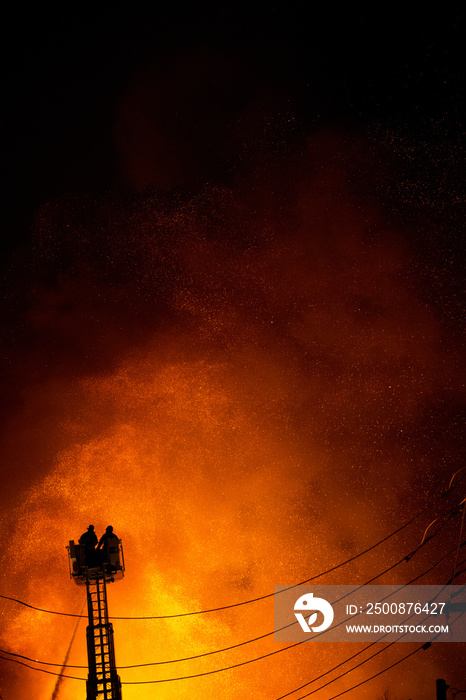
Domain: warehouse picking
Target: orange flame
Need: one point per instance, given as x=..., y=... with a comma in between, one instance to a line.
x=251, y=415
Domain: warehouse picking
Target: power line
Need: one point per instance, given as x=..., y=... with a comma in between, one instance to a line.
x=252, y=600
x=350, y=659
x=239, y=664
x=249, y=641
x=43, y=670
x=342, y=663
x=268, y=634
x=295, y=690
x=28, y=658
x=273, y=653
x=406, y=558
x=379, y=673
x=296, y=585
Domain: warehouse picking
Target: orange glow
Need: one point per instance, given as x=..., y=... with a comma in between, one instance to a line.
x=254, y=412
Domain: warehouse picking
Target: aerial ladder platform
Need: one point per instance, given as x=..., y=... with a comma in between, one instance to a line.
x=105, y=566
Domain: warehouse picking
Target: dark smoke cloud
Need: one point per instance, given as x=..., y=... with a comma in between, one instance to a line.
x=238, y=360
x=195, y=116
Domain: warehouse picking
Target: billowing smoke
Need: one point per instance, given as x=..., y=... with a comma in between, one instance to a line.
x=246, y=381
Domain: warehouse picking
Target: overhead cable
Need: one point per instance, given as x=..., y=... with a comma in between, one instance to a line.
x=252, y=600
x=268, y=634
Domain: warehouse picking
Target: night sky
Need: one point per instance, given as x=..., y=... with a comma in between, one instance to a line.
x=396, y=81
x=232, y=271
x=64, y=73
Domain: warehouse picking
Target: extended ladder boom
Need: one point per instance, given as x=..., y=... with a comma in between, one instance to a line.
x=103, y=681
x=94, y=568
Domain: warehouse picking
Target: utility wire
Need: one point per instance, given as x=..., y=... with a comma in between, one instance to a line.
x=268, y=634
x=379, y=673
x=252, y=600
x=334, y=668
x=278, y=651
x=52, y=673
x=256, y=639
x=45, y=663
x=63, y=664
x=301, y=583
x=249, y=641
x=295, y=690
x=243, y=663
x=361, y=651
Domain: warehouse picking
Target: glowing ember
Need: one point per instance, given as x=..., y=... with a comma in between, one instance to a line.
x=262, y=421
x=234, y=361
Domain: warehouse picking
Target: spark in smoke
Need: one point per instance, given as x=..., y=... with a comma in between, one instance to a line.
x=242, y=389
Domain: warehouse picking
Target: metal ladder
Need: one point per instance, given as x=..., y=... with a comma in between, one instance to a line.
x=103, y=682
